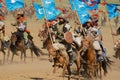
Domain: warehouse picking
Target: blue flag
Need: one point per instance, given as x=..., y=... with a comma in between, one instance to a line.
x=72, y=4
x=82, y=11
x=39, y=10
x=48, y=3
x=14, y=4
x=0, y=5
x=51, y=13
x=50, y=10
x=112, y=10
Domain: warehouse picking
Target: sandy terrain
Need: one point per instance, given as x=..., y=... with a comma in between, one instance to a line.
x=41, y=69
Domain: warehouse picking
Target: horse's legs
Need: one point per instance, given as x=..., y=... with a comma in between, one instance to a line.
x=100, y=70
x=69, y=72
x=12, y=57
x=24, y=55
x=3, y=56
x=8, y=54
x=55, y=67
x=64, y=69
x=21, y=57
x=92, y=75
x=31, y=54
x=78, y=67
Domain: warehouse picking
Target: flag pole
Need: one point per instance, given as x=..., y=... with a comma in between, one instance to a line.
x=47, y=23
x=110, y=25
x=81, y=27
x=111, y=31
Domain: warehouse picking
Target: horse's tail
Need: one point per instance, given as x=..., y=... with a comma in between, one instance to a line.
x=106, y=63
x=36, y=50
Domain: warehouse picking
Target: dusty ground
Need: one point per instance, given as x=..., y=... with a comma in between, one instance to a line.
x=41, y=69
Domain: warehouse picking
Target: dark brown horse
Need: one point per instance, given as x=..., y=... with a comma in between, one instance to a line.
x=17, y=44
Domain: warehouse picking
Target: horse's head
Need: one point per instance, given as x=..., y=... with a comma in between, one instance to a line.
x=13, y=38
x=85, y=43
x=42, y=34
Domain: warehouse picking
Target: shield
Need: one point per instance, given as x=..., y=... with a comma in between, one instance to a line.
x=68, y=37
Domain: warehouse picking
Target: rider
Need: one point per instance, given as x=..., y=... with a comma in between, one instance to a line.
x=21, y=24
x=63, y=27
x=68, y=42
x=98, y=44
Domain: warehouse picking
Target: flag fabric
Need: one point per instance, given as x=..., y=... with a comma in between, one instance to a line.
x=81, y=9
x=48, y=3
x=0, y=5
x=72, y=4
x=51, y=12
x=14, y=4
x=112, y=10
x=92, y=4
x=39, y=10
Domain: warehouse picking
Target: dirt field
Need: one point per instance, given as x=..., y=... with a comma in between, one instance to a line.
x=41, y=69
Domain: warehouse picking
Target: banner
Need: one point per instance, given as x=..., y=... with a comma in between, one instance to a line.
x=14, y=4
x=50, y=9
x=82, y=11
x=39, y=10
x=112, y=10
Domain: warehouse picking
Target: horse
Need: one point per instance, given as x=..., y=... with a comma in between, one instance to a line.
x=59, y=60
x=18, y=44
x=92, y=66
x=89, y=55
x=2, y=50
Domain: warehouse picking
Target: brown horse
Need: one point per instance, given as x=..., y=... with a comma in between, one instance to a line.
x=89, y=56
x=60, y=60
x=17, y=44
x=2, y=50
x=92, y=67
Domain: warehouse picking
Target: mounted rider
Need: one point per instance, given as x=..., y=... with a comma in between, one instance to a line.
x=60, y=30
x=66, y=37
x=98, y=43
x=21, y=26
